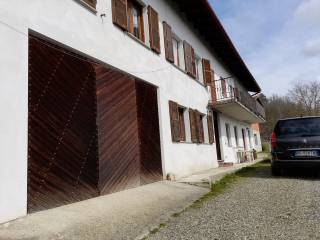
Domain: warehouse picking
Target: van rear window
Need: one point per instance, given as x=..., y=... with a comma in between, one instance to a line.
x=303, y=127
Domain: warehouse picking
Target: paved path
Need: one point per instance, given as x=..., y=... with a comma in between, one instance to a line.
x=124, y=215
x=259, y=206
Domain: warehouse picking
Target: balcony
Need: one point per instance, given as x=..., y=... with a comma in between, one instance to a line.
x=235, y=103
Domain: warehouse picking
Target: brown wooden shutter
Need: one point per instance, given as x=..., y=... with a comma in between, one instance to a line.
x=154, y=30
x=199, y=127
x=206, y=71
x=193, y=64
x=193, y=126
x=187, y=54
x=213, y=88
x=224, y=88
x=174, y=120
x=168, y=44
x=189, y=58
x=92, y=3
x=119, y=13
x=210, y=129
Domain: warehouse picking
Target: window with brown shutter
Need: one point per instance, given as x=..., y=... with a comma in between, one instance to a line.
x=210, y=129
x=135, y=19
x=199, y=119
x=189, y=58
x=177, y=47
x=119, y=13
x=154, y=30
x=174, y=120
x=168, y=42
x=206, y=71
x=187, y=54
x=91, y=3
x=193, y=126
x=182, y=124
x=228, y=134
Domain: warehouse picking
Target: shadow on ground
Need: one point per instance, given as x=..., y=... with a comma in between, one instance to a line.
x=263, y=170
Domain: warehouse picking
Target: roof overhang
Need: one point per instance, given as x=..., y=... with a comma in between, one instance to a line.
x=202, y=16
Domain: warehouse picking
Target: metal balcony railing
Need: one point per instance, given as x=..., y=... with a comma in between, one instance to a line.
x=225, y=92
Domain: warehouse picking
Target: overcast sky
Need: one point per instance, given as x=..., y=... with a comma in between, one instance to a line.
x=278, y=39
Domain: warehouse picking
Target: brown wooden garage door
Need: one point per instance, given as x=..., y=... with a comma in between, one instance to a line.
x=92, y=129
x=129, y=141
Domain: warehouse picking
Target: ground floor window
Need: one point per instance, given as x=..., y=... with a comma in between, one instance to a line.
x=249, y=137
x=228, y=134
x=256, y=139
x=181, y=111
x=244, y=138
x=200, y=119
x=236, y=135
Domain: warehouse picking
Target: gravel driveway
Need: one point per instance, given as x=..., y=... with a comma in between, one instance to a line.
x=256, y=207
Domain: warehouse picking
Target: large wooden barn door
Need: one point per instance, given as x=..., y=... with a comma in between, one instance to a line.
x=119, y=166
x=128, y=123
x=93, y=130
x=63, y=153
x=149, y=134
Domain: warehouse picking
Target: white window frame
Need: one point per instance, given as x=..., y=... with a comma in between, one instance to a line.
x=179, y=51
x=205, y=129
x=199, y=73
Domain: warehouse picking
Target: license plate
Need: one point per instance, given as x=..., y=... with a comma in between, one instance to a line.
x=306, y=154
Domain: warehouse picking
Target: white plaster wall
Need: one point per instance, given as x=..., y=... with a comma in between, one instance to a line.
x=259, y=146
x=13, y=124
x=70, y=23
x=229, y=152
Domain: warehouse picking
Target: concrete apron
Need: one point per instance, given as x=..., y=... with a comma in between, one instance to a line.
x=209, y=177
x=129, y=214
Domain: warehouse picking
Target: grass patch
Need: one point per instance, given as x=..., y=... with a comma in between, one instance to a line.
x=218, y=188
x=226, y=182
x=155, y=230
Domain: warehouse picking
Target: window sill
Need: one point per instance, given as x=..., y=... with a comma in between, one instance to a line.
x=137, y=40
x=88, y=6
x=183, y=71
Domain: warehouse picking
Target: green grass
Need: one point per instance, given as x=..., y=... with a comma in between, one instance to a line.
x=225, y=183
x=219, y=188
x=266, y=147
x=155, y=230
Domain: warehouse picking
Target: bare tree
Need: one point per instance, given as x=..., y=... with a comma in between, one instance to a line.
x=302, y=100
x=308, y=96
x=279, y=107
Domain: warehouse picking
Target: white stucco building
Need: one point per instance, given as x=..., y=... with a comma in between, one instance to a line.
x=159, y=64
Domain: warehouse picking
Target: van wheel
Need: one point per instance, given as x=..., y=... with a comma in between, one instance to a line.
x=275, y=171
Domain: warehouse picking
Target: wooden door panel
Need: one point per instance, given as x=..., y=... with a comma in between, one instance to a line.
x=62, y=162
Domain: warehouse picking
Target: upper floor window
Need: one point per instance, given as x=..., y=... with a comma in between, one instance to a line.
x=198, y=69
x=176, y=44
x=128, y=15
x=135, y=19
